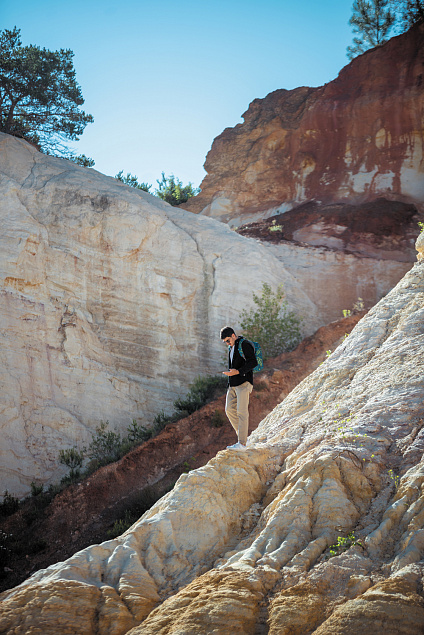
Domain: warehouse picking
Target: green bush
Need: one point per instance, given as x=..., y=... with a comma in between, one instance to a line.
x=144, y=501
x=36, y=490
x=72, y=458
x=271, y=324
x=173, y=191
x=201, y=391
x=10, y=504
x=218, y=419
x=132, y=181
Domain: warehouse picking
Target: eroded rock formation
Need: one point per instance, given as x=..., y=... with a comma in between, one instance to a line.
x=244, y=540
x=357, y=137
x=111, y=303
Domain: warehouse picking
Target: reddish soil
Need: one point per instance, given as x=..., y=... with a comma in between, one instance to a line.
x=380, y=225
x=81, y=515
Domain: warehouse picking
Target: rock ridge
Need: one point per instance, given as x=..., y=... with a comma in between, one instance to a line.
x=243, y=542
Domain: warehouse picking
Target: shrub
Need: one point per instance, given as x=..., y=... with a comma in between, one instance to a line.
x=132, y=181
x=218, y=419
x=271, y=324
x=36, y=490
x=173, y=191
x=144, y=501
x=105, y=446
x=10, y=504
x=201, y=391
x=72, y=458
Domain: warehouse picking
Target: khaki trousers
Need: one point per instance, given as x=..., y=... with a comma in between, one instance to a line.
x=237, y=409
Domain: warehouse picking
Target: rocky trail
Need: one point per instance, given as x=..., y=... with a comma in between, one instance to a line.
x=82, y=514
x=317, y=527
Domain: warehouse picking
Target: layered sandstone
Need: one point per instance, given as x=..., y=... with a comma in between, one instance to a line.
x=358, y=137
x=110, y=304
x=242, y=544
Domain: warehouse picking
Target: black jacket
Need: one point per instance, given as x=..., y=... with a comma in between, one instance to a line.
x=244, y=366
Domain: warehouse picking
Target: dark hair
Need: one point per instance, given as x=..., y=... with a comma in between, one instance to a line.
x=226, y=331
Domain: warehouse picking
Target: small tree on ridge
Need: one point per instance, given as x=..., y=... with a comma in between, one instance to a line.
x=371, y=21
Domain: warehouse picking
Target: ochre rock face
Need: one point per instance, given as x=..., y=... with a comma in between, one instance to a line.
x=355, y=138
x=318, y=525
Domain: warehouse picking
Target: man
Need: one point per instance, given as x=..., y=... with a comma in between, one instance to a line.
x=240, y=384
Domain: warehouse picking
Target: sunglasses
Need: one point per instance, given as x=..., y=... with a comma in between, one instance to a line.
x=227, y=340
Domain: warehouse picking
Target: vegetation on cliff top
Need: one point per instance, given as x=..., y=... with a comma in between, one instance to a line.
x=40, y=98
x=373, y=20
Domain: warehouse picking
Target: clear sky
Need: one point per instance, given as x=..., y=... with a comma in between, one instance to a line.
x=163, y=78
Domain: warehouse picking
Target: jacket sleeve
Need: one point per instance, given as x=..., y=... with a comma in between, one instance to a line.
x=250, y=358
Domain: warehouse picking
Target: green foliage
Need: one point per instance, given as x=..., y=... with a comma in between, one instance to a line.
x=271, y=323
x=421, y=226
x=108, y=446
x=137, y=434
x=132, y=181
x=274, y=227
x=218, y=419
x=83, y=160
x=39, y=97
x=10, y=504
x=105, y=446
x=201, y=391
x=395, y=478
x=173, y=191
x=144, y=501
x=160, y=421
x=344, y=543
x=408, y=12
x=36, y=490
x=358, y=307
x=371, y=20
x=72, y=458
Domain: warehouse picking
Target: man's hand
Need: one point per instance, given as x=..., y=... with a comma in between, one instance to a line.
x=231, y=372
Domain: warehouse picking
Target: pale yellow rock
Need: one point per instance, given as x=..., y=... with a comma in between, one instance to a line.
x=244, y=541
x=297, y=610
x=217, y=602
x=389, y=608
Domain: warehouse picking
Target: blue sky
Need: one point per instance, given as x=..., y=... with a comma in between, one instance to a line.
x=162, y=79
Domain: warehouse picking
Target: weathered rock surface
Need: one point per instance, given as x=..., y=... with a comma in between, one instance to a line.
x=357, y=137
x=244, y=540
x=110, y=302
x=83, y=514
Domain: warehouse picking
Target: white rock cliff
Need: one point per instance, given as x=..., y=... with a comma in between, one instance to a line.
x=111, y=303
x=242, y=544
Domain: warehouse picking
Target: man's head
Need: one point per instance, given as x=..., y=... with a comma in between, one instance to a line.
x=228, y=336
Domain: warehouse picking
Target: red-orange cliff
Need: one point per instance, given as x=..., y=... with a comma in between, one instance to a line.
x=357, y=138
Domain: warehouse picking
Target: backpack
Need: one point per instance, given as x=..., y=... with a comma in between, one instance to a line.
x=258, y=354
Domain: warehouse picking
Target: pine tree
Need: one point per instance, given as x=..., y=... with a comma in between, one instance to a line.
x=39, y=96
x=408, y=12
x=371, y=21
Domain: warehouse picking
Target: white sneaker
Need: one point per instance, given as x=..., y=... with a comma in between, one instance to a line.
x=237, y=446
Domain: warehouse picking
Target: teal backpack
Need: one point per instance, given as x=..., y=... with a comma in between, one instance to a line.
x=258, y=354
